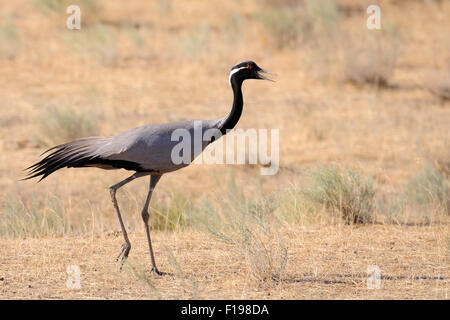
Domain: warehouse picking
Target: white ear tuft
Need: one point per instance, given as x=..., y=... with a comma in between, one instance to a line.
x=233, y=72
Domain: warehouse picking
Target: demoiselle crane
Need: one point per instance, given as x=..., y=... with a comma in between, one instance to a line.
x=147, y=150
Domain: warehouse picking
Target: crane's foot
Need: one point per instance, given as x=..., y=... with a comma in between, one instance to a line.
x=157, y=272
x=124, y=251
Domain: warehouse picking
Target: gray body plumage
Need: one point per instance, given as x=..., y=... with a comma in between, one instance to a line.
x=151, y=145
x=147, y=148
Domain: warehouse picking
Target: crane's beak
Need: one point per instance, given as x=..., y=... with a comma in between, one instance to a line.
x=260, y=76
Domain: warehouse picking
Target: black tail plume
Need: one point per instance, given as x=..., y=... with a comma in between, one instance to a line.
x=76, y=154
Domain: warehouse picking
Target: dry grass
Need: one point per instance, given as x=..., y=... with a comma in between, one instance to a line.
x=157, y=61
x=33, y=219
x=325, y=262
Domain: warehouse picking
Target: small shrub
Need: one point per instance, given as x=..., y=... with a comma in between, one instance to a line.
x=343, y=191
x=429, y=190
x=371, y=60
x=58, y=125
x=33, y=220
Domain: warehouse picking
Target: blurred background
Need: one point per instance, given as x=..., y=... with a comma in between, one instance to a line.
x=349, y=102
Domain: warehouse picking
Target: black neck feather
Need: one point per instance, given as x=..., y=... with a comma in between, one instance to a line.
x=233, y=117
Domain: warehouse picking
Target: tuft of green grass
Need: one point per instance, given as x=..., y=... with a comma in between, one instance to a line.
x=322, y=16
x=343, y=191
x=9, y=38
x=165, y=7
x=171, y=215
x=429, y=190
x=62, y=124
x=425, y=198
x=281, y=25
x=97, y=41
x=90, y=9
x=295, y=207
x=36, y=219
x=137, y=37
x=280, y=3
x=251, y=228
x=291, y=22
x=196, y=41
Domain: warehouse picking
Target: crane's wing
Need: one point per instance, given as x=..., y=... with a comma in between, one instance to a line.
x=146, y=148
x=151, y=146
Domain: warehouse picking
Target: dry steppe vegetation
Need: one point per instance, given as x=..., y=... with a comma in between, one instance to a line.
x=364, y=124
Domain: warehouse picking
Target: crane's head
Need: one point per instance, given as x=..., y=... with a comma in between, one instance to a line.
x=247, y=70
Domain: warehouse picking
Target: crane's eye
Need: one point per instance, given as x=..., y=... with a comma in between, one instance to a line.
x=249, y=66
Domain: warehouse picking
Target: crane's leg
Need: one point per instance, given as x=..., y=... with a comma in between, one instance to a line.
x=126, y=246
x=145, y=216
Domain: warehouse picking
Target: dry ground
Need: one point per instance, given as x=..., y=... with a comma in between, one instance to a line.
x=325, y=262
x=158, y=61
